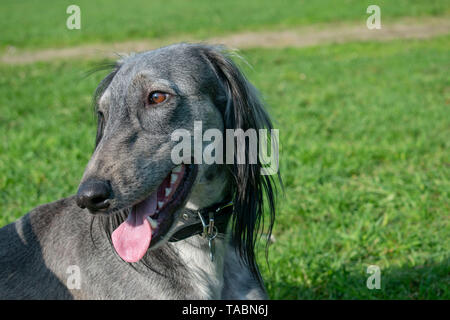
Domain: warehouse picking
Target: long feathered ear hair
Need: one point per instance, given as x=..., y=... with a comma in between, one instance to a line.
x=243, y=109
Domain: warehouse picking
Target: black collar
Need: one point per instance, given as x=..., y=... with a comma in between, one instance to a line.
x=207, y=221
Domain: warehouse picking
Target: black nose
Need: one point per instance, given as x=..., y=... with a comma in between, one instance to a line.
x=94, y=195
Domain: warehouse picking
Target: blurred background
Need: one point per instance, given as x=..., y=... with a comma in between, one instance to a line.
x=363, y=115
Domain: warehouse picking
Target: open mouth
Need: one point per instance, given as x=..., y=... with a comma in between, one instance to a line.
x=150, y=219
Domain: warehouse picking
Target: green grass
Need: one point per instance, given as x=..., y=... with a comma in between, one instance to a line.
x=33, y=24
x=364, y=133
x=365, y=158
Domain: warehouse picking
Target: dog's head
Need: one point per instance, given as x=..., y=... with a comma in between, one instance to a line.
x=146, y=101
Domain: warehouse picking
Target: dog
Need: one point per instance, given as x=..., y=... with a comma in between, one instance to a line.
x=139, y=226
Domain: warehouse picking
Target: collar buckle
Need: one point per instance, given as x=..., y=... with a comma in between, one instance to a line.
x=210, y=230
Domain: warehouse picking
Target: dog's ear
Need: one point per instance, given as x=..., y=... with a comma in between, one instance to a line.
x=243, y=109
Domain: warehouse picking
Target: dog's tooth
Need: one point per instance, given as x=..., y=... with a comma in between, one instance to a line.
x=177, y=169
x=153, y=223
x=173, y=178
x=168, y=191
x=160, y=204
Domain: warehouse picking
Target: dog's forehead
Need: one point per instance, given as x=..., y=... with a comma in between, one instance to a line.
x=177, y=63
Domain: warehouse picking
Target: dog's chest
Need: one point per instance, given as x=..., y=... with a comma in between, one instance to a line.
x=202, y=273
x=191, y=276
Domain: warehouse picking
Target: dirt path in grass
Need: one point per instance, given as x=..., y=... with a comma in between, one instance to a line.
x=298, y=37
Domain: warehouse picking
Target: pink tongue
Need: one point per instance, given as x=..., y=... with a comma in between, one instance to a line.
x=132, y=238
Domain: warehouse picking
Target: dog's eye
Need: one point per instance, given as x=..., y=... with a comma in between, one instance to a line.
x=157, y=97
x=100, y=126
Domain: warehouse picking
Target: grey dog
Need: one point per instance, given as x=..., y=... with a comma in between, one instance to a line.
x=141, y=227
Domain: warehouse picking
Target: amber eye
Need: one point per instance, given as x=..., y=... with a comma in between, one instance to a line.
x=157, y=97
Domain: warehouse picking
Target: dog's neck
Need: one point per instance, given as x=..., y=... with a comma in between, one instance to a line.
x=206, y=276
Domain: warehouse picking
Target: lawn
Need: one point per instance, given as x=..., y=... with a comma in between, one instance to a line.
x=365, y=158
x=364, y=133
x=35, y=24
